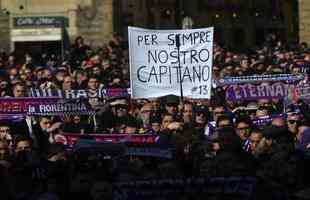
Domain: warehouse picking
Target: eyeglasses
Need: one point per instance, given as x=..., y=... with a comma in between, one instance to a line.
x=243, y=129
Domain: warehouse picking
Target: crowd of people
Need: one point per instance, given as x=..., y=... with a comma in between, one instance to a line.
x=209, y=138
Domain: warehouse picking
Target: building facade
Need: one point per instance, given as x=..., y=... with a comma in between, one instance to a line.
x=238, y=23
x=51, y=23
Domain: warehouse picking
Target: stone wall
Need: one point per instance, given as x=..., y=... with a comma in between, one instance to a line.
x=4, y=32
x=304, y=21
x=95, y=22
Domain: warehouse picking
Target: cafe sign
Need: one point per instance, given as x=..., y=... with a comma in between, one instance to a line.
x=56, y=21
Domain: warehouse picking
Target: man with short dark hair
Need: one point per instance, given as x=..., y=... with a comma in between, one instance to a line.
x=255, y=138
x=93, y=83
x=167, y=119
x=217, y=111
x=224, y=121
x=172, y=103
x=23, y=143
x=19, y=90
x=243, y=128
x=5, y=132
x=188, y=112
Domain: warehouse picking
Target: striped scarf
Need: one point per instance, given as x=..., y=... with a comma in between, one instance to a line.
x=246, y=145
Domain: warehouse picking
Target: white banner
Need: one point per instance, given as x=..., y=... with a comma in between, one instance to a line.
x=154, y=66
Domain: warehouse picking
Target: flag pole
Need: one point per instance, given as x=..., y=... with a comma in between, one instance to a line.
x=177, y=43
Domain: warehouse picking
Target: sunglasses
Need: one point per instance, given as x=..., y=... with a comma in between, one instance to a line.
x=263, y=108
x=292, y=121
x=172, y=104
x=121, y=106
x=198, y=113
x=146, y=111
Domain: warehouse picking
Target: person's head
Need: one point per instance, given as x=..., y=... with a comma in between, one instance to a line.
x=262, y=111
x=93, y=83
x=146, y=112
x=293, y=120
x=56, y=152
x=155, y=126
x=227, y=139
x=156, y=103
x=47, y=74
x=23, y=144
x=80, y=76
x=303, y=143
x=131, y=127
x=188, y=112
x=79, y=40
x=39, y=73
x=244, y=63
x=116, y=82
x=172, y=103
x=155, y=122
x=120, y=107
x=4, y=150
x=28, y=73
x=3, y=84
x=11, y=58
x=296, y=70
x=277, y=134
x=19, y=90
x=45, y=123
x=201, y=114
x=13, y=72
x=301, y=130
x=238, y=71
x=255, y=137
x=105, y=64
x=60, y=75
x=224, y=121
x=279, y=122
x=5, y=131
x=76, y=119
x=263, y=102
x=67, y=83
x=28, y=59
x=166, y=120
x=96, y=71
x=218, y=111
x=243, y=126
